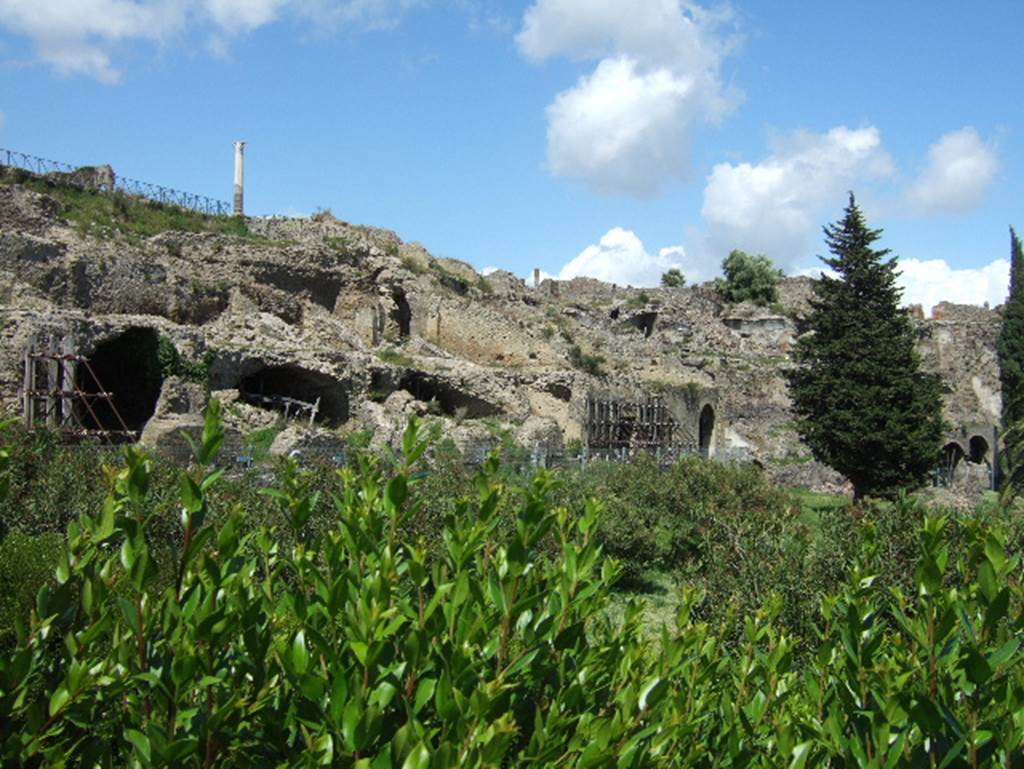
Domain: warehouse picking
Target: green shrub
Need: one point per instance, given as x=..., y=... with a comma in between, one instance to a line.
x=749, y=279
x=26, y=564
x=284, y=639
x=588, y=362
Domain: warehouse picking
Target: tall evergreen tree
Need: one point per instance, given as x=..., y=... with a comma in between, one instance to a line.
x=1011, y=360
x=863, y=406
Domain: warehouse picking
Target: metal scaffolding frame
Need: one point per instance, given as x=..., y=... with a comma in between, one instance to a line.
x=53, y=396
x=620, y=424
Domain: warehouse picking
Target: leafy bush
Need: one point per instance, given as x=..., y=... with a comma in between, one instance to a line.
x=673, y=278
x=589, y=362
x=349, y=646
x=26, y=564
x=748, y=279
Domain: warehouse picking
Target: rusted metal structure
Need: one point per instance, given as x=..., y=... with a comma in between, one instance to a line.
x=62, y=391
x=645, y=425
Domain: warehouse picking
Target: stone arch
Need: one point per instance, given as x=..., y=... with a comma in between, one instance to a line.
x=706, y=429
x=128, y=367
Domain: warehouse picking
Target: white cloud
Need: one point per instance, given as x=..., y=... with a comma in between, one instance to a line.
x=624, y=128
x=76, y=36
x=928, y=282
x=80, y=37
x=776, y=206
x=621, y=257
x=243, y=15
x=960, y=169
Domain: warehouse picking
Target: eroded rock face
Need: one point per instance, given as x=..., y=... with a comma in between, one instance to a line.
x=319, y=311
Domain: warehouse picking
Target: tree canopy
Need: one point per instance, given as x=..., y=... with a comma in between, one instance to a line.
x=749, y=278
x=1010, y=347
x=673, y=278
x=863, y=406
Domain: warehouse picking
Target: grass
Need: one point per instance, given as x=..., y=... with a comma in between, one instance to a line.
x=394, y=357
x=129, y=216
x=816, y=501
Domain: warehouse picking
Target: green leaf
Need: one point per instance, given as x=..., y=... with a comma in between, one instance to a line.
x=800, y=755
x=141, y=743
x=424, y=691
x=652, y=693
x=58, y=699
x=418, y=758
x=300, y=654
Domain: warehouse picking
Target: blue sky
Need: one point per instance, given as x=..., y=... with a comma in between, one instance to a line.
x=606, y=137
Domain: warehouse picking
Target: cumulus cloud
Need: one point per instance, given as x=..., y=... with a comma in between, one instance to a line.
x=624, y=128
x=621, y=257
x=929, y=281
x=960, y=169
x=80, y=37
x=775, y=206
x=76, y=36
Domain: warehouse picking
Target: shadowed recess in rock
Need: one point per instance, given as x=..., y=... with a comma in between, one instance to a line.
x=297, y=393
x=450, y=400
x=128, y=367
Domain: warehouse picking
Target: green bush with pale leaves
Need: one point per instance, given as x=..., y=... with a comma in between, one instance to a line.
x=349, y=646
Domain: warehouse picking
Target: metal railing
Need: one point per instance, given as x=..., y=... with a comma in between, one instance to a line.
x=154, y=192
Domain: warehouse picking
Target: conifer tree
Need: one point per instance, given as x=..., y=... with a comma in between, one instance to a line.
x=1011, y=359
x=864, y=408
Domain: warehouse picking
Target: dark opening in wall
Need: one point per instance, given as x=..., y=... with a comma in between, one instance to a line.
x=644, y=321
x=402, y=312
x=614, y=314
x=560, y=391
x=450, y=400
x=978, y=448
x=706, y=429
x=127, y=367
x=952, y=456
x=294, y=391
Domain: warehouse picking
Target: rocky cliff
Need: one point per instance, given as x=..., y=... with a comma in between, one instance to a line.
x=323, y=329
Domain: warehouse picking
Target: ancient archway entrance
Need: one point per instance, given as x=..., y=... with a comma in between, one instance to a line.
x=706, y=429
x=952, y=456
x=978, y=449
x=128, y=367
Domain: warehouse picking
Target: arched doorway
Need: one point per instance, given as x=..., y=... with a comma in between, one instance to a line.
x=978, y=450
x=952, y=456
x=127, y=367
x=706, y=429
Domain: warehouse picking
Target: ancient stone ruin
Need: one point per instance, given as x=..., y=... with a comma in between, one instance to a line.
x=322, y=330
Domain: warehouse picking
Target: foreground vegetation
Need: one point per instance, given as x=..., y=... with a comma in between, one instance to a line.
x=414, y=621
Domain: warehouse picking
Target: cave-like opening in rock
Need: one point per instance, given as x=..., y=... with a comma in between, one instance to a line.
x=128, y=368
x=401, y=314
x=296, y=392
x=706, y=429
x=451, y=400
x=644, y=321
x=978, y=449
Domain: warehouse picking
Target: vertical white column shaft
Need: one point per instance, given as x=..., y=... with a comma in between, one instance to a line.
x=239, y=178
